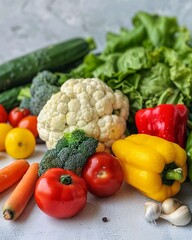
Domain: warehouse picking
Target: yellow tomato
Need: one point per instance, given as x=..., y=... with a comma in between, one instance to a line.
x=4, y=129
x=20, y=143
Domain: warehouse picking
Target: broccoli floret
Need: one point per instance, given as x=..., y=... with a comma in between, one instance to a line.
x=62, y=143
x=43, y=86
x=75, y=138
x=71, y=152
x=43, y=78
x=25, y=103
x=75, y=161
x=42, y=94
x=49, y=160
x=63, y=155
x=88, y=147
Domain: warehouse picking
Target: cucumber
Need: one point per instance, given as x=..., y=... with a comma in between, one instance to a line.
x=9, y=98
x=57, y=57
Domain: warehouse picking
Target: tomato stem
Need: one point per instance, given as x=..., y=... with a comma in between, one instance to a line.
x=66, y=179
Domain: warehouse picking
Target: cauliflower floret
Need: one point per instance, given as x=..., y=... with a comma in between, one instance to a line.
x=88, y=104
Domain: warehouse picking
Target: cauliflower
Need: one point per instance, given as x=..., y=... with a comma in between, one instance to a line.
x=87, y=104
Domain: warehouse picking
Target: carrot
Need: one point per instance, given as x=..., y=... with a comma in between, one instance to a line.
x=20, y=196
x=12, y=173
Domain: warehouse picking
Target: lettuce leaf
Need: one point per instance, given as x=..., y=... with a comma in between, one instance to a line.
x=150, y=63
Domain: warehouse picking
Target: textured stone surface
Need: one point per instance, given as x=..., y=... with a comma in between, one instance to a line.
x=27, y=25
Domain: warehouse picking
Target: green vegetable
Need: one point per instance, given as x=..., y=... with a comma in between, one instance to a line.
x=24, y=92
x=71, y=152
x=56, y=57
x=150, y=63
x=72, y=140
x=9, y=99
x=188, y=149
x=43, y=86
x=25, y=103
x=24, y=97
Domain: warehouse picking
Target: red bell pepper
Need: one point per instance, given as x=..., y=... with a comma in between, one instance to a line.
x=167, y=121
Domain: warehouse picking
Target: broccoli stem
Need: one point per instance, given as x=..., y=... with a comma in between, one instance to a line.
x=24, y=93
x=66, y=179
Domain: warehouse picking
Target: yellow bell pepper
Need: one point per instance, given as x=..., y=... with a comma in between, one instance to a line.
x=153, y=165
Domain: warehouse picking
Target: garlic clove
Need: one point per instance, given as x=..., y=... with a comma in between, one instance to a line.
x=180, y=217
x=152, y=211
x=170, y=205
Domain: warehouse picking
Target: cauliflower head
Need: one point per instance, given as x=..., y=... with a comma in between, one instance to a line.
x=87, y=104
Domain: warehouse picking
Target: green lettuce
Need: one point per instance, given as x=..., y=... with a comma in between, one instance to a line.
x=150, y=63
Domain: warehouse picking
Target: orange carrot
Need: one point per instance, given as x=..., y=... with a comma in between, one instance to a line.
x=21, y=195
x=12, y=173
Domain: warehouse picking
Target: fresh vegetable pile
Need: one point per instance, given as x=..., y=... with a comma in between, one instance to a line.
x=123, y=115
x=150, y=63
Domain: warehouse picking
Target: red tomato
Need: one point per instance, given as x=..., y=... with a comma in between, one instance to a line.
x=60, y=193
x=16, y=114
x=3, y=114
x=29, y=122
x=103, y=174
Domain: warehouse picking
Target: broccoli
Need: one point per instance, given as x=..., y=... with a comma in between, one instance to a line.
x=87, y=146
x=61, y=143
x=75, y=138
x=25, y=103
x=24, y=92
x=41, y=96
x=24, y=97
x=43, y=86
x=71, y=152
x=71, y=140
x=75, y=161
x=48, y=160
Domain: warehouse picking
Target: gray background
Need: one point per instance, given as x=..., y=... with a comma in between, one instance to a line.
x=27, y=25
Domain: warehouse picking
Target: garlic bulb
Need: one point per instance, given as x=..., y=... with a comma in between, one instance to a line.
x=170, y=205
x=152, y=211
x=180, y=217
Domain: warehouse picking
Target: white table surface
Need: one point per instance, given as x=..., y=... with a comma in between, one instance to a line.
x=124, y=210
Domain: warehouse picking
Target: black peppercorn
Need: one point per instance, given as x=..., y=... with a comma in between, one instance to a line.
x=105, y=219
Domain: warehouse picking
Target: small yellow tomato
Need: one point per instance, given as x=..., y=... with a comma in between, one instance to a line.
x=4, y=129
x=20, y=143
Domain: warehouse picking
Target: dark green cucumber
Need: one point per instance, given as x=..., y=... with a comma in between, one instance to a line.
x=57, y=57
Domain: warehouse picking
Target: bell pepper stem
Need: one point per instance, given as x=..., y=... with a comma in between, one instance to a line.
x=174, y=174
x=66, y=179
